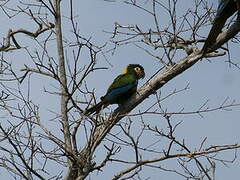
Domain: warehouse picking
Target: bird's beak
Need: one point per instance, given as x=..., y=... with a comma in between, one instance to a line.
x=141, y=74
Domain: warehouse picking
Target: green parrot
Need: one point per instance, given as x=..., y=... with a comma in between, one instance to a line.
x=121, y=88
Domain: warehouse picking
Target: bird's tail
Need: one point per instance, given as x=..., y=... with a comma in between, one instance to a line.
x=96, y=108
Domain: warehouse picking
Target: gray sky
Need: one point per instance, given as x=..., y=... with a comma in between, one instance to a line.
x=214, y=81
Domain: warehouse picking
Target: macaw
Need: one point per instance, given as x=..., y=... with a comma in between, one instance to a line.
x=121, y=88
x=226, y=8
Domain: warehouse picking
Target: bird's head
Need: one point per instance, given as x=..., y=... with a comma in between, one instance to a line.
x=136, y=69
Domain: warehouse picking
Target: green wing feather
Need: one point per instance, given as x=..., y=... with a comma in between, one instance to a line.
x=121, y=81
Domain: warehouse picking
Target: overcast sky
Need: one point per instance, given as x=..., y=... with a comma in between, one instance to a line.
x=214, y=81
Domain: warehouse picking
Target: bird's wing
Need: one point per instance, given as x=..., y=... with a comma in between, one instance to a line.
x=122, y=81
x=122, y=84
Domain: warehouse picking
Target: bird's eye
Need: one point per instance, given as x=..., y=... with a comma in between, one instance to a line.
x=137, y=69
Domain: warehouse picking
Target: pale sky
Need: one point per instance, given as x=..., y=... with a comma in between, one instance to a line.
x=214, y=81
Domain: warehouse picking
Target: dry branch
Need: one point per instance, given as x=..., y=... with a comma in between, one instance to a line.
x=7, y=46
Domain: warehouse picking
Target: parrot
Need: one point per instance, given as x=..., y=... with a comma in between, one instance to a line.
x=226, y=8
x=122, y=87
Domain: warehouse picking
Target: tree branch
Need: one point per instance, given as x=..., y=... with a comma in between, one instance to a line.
x=227, y=35
x=63, y=84
x=7, y=42
x=192, y=154
x=144, y=92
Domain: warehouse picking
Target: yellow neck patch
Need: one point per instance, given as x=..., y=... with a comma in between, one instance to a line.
x=125, y=70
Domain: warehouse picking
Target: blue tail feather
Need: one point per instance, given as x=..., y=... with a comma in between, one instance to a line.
x=119, y=91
